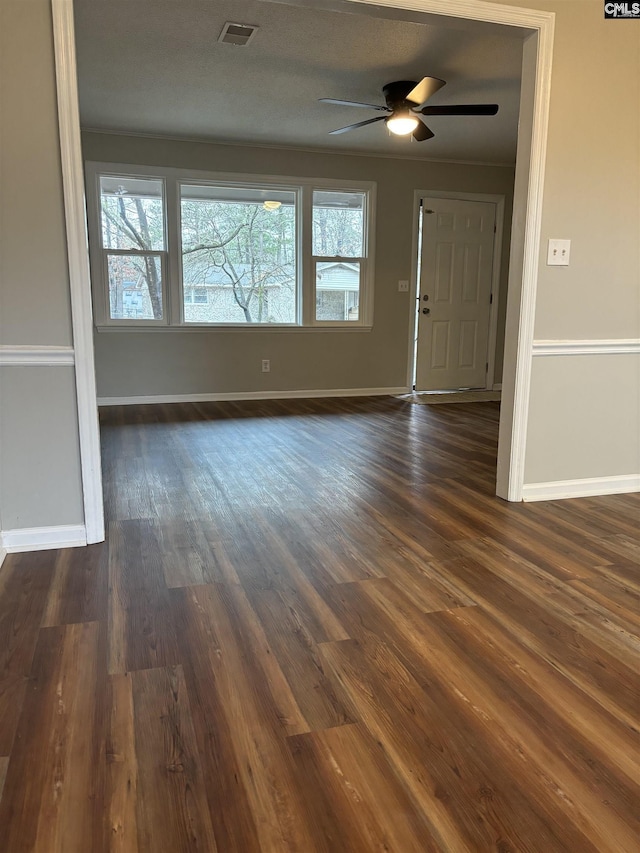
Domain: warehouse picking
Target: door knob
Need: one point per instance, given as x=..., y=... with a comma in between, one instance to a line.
x=426, y=311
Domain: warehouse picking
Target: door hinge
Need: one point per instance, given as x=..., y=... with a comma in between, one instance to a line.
x=486, y=367
x=491, y=299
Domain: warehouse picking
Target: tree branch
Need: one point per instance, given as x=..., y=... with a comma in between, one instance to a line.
x=115, y=221
x=199, y=247
x=134, y=233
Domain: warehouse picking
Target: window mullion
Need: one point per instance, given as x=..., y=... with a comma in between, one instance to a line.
x=345, y=259
x=104, y=281
x=97, y=257
x=140, y=253
x=307, y=262
x=174, y=282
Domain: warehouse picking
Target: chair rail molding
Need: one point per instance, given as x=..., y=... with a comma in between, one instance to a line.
x=36, y=356
x=586, y=347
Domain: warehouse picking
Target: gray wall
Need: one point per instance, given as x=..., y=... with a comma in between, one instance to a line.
x=591, y=195
x=584, y=416
x=586, y=408
x=40, y=483
x=161, y=362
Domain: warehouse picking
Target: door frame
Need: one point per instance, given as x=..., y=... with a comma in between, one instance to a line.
x=499, y=201
x=78, y=260
x=537, y=30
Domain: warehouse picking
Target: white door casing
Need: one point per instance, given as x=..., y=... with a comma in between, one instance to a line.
x=455, y=294
x=78, y=257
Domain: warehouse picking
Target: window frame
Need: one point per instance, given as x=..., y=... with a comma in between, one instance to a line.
x=364, y=304
x=248, y=184
x=171, y=261
x=99, y=254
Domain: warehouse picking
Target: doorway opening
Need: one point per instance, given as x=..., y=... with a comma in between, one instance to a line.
x=458, y=327
x=535, y=28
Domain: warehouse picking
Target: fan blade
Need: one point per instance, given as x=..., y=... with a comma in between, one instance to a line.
x=424, y=89
x=359, y=124
x=353, y=104
x=422, y=132
x=461, y=110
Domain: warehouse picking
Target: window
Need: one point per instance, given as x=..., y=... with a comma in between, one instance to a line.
x=196, y=296
x=240, y=244
x=133, y=247
x=173, y=248
x=338, y=234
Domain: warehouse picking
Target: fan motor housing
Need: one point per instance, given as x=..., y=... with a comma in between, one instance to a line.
x=395, y=94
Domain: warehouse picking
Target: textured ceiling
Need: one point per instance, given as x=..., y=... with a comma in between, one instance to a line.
x=156, y=67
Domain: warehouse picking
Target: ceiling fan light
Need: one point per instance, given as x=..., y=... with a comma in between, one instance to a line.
x=271, y=205
x=402, y=123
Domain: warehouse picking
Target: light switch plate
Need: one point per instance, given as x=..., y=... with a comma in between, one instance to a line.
x=403, y=286
x=559, y=253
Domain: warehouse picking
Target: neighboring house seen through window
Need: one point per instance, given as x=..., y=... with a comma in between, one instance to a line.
x=182, y=249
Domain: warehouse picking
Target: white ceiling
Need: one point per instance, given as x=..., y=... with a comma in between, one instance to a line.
x=155, y=67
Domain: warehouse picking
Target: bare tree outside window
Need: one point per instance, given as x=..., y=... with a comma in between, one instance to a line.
x=238, y=251
x=242, y=251
x=133, y=226
x=338, y=224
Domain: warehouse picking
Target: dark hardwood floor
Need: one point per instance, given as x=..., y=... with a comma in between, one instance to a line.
x=313, y=627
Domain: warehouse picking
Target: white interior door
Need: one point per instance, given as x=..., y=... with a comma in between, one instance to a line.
x=455, y=294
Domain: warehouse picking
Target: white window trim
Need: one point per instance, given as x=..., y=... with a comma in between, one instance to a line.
x=365, y=309
x=248, y=181
x=98, y=256
x=172, y=261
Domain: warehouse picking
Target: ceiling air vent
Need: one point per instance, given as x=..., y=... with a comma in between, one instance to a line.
x=238, y=34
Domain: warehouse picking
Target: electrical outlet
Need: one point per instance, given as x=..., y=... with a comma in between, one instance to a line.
x=266, y=365
x=403, y=286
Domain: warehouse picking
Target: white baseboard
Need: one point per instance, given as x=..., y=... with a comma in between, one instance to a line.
x=252, y=395
x=43, y=538
x=589, y=487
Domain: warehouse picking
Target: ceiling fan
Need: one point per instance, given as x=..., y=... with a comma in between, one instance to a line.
x=405, y=102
